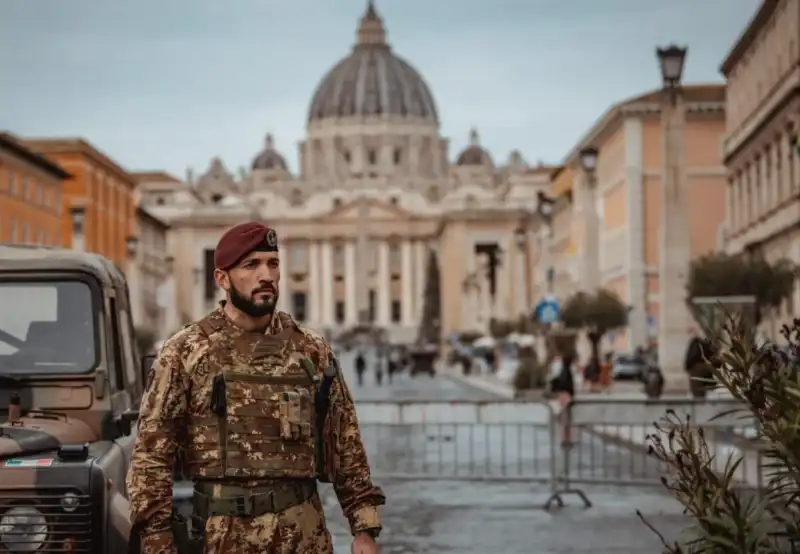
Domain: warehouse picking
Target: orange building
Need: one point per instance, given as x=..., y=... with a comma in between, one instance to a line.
x=30, y=195
x=627, y=199
x=102, y=187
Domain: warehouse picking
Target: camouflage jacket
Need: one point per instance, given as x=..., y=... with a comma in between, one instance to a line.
x=162, y=423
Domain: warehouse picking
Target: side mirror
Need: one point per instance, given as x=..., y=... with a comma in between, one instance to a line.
x=125, y=421
x=147, y=364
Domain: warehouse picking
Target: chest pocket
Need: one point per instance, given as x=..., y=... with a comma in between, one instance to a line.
x=265, y=410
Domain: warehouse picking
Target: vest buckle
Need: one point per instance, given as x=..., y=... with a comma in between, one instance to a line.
x=244, y=505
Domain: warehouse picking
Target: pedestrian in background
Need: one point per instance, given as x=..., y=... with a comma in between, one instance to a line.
x=562, y=385
x=361, y=367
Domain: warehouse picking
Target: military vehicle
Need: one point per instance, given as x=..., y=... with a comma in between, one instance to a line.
x=70, y=382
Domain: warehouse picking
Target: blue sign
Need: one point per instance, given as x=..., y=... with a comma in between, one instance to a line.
x=547, y=310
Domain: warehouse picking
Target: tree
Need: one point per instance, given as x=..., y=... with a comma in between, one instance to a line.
x=766, y=381
x=597, y=313
x=500, y=328
x=720, y=275
x=429, y=327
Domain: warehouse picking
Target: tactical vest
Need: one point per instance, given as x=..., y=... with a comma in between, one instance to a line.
x=261, y=417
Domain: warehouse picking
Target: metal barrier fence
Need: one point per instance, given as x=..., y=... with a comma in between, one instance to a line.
x=523, y=441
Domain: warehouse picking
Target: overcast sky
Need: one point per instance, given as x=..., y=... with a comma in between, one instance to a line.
x=166, y=84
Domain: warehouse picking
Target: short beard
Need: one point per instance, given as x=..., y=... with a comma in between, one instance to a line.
x=248, y=307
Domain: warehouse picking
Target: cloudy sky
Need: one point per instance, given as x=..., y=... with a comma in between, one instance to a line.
x=171, y=83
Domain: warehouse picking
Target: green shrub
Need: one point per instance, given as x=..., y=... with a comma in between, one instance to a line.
x=728, y=519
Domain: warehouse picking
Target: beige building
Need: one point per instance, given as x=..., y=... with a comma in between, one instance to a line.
x=374, y=193
x=608, y=235
x=150, y=280
x=763, y=116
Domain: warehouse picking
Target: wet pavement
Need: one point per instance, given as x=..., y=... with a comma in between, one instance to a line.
x=493, y=483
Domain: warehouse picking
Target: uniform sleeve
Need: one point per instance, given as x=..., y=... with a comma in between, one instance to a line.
x=357, y=494
x=160, y=428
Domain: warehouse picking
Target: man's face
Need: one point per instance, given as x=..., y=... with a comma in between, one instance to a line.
x=252, y=284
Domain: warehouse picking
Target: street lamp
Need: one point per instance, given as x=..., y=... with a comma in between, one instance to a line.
x=671, y=59
x=588, y=156
x=132, y=246
x=674, y=240
x=544, y=206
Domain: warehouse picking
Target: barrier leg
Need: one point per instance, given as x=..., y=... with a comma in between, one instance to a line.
x=557, y=496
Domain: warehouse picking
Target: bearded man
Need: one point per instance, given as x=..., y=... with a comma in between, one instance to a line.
x=242, y=394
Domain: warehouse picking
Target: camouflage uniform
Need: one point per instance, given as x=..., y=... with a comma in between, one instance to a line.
x=258, y=442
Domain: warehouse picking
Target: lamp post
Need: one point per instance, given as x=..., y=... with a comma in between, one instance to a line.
x=590, y=276
x=675, y=239
x=544, y=209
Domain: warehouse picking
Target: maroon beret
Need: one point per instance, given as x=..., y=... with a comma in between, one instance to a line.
x=237, y=242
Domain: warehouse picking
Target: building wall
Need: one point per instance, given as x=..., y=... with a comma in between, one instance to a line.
x=763, y=169
x=103, y=188
x=30, y=202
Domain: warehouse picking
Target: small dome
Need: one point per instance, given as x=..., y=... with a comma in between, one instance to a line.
x=269, y=158
x=474, y=154
x=372, y=81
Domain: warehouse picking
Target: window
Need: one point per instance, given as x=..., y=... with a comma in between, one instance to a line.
x=216, y=198
x=47, y=327
x=12, y=184
x=26, y=234
x=299, y=306
x=394, y=201
x=346, y=156
x=372, y=157
x=338, y=257
x=371, y=313
x=160, y=201
x=398, y=156
x=394, y=255
x=337, y=202
x=24, y=188
x=339, y=308
x=397, y=311
x=12, y=230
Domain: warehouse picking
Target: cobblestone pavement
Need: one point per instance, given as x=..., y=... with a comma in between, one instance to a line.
x=481, y=516
x=478, y=517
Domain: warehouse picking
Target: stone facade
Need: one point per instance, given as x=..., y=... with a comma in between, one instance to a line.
x=607, y=230
x=763, y=193
x=375, y=192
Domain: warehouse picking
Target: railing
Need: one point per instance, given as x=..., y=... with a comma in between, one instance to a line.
x=599, y=441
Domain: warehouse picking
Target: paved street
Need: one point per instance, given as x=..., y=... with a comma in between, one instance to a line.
x=470, y=516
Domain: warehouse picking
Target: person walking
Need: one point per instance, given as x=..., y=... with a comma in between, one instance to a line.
x=243, y=395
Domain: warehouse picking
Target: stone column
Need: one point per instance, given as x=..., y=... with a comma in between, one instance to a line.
x=420, y=274
x=384, y=306
x=590, y=274
x=675, y=252
x=314, y=281
x=327, y=284
x=407, y=276
x=350, y=284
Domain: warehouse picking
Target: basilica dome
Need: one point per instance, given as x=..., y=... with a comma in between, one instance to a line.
x=269, y=158
x=372, y=81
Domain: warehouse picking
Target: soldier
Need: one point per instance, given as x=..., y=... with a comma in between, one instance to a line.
x=241, y=394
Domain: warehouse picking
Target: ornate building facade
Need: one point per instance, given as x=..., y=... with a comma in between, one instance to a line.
x=375, y=193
